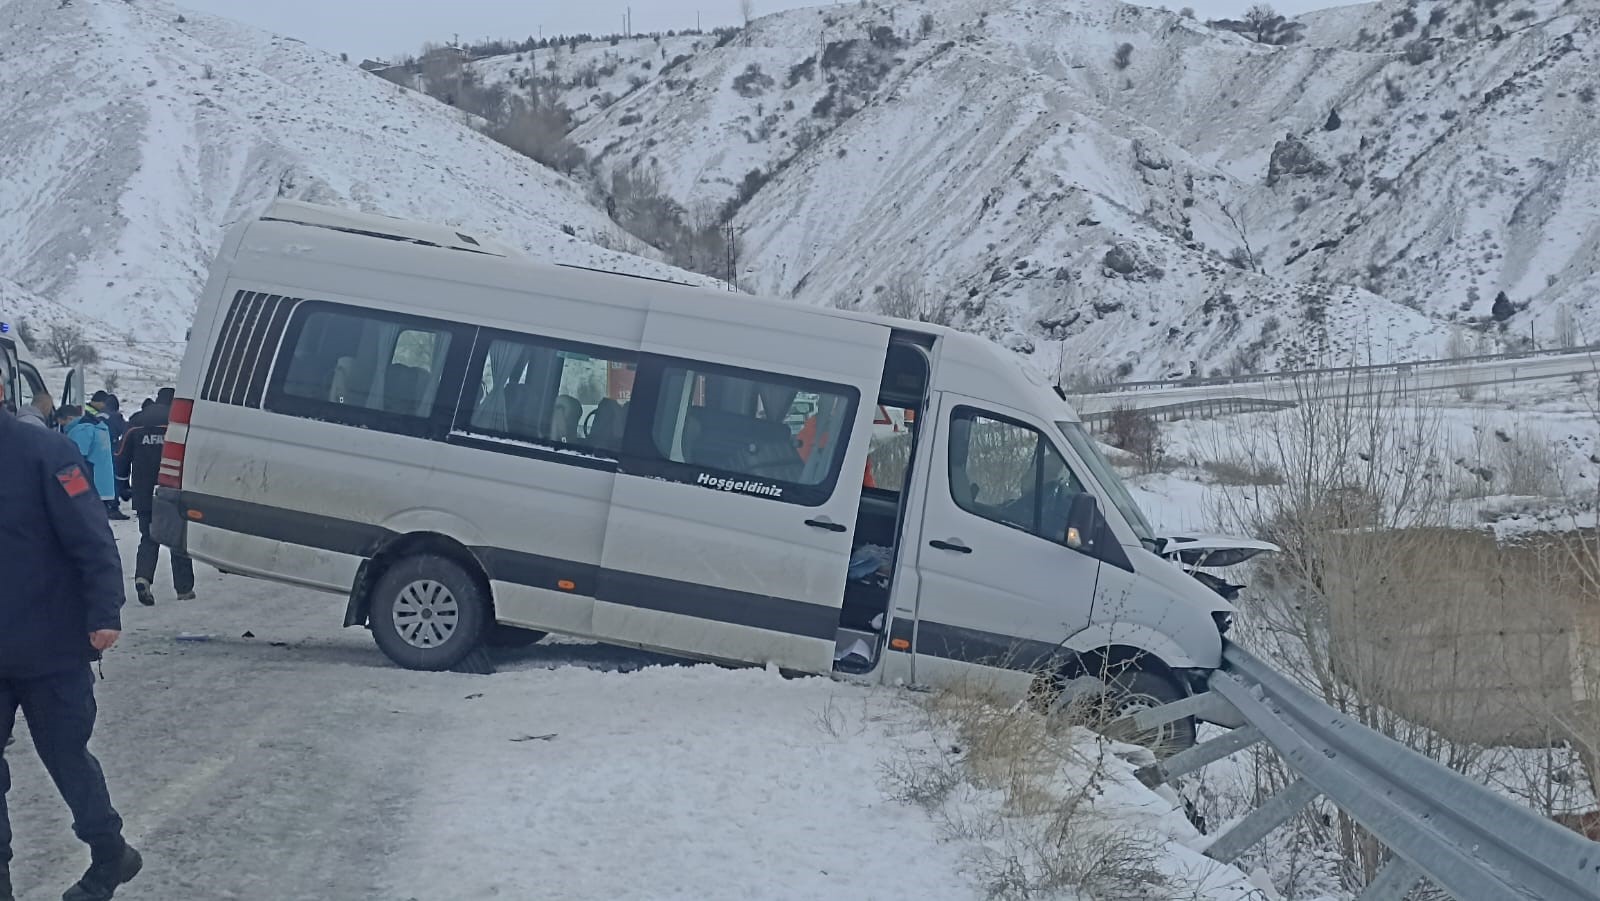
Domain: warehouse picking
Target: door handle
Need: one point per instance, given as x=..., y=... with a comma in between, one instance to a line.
x=950, y=546
x=825, y=524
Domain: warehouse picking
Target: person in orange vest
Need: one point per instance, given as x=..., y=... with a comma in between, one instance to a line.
x=807, y=440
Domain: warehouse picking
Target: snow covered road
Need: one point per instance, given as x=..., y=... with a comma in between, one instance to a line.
x=298, y=764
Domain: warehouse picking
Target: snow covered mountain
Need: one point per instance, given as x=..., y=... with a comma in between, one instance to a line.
x=1110, y=187
x=134, y=133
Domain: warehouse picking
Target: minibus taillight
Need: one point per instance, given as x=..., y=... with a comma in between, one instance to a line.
x=171, y=474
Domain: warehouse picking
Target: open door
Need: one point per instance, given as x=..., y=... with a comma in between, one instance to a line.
x=10, y=379
x=723, y=539
x=71, y=390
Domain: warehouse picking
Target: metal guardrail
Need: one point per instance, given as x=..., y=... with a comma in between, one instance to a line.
x=1208, y=407
x=1440, y=826
x=1292, y=374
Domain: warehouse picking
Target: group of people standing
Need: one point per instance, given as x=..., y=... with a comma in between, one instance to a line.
x=123, y=458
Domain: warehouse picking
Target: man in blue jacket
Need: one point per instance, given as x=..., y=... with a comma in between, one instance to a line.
x=93, y=438
x=61, y=607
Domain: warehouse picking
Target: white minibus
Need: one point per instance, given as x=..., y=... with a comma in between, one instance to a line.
x=472, y=447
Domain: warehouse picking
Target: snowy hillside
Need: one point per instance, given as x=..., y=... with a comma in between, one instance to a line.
x=1018, y=173
x=135, y=132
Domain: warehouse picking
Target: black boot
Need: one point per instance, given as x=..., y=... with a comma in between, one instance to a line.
x=106, y=873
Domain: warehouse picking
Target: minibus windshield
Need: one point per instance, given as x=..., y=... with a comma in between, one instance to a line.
x=1100, y=467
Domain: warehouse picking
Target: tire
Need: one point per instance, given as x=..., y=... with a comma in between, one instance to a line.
x=1133, y=690
x=499, y=635
x=428, y=613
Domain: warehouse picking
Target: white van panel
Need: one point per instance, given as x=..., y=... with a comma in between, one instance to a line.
x=280, y=561
x=1011, y=596
x=754, y=562
x=543, y=609
x=313, y=470
x=529, y=506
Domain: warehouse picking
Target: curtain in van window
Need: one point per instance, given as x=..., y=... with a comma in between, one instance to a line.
x=435, y=371
x=378, y=341
x=498, y=370
x=550, y=394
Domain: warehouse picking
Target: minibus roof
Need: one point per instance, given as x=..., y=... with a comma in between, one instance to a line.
x=383, y=244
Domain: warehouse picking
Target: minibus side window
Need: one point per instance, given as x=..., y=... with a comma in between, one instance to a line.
x=714, y=425
x=361, y=367
x=1009, y=473
x=535, y=391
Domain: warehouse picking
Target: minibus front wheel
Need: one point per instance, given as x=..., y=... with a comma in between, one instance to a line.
x=1133, y=690
x=428, y=613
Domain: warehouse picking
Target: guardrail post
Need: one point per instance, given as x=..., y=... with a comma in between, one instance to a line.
x=1206, y=705
x=1185, y=762
x=1255, y=827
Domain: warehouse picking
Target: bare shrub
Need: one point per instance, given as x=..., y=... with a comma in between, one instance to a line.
x=696, y=240
x=1083, y=380
x=1506, y=458
x=925, y=779
x=68, y=346
x=906, y=297
x=1566, y=328
x=537, y=128
x=1418, y=52
x=1383, y=608
x=1123, y=57
x=753, y=82
x=1528, y=462
x=1458, y=346
x=1242, y=472
x=1138, y=433
x=1361, y=485
x=1045, y=839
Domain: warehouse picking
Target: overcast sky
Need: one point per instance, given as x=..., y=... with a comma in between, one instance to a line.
x=389, y=27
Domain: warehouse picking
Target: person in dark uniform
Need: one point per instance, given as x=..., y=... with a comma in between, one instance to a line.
x=138, y=464
x=61, y=607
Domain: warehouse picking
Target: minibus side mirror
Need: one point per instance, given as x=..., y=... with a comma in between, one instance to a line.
x=1083, y=521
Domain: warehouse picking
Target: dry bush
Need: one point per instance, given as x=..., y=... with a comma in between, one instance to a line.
x=1502, y=458
x=1356, y=461
x=1530, y=466
x=537, y=128
x=1076, y=381
x=1385, y=611
x=69, y=346
x=1045, y=838
x=905, y=297
x=1242, y=472
x=1138, y=433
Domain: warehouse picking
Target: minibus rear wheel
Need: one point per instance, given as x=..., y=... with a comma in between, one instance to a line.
x=428, y=613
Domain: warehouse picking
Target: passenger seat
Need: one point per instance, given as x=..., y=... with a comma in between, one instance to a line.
x=744, y=445
x=605, y=430
x=402, y=389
